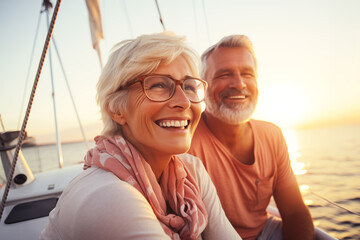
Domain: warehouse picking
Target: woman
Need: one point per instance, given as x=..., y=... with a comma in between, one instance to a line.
x=136, y=185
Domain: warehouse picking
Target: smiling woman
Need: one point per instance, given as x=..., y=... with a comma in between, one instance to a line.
x=284, y=104
x=138, y=182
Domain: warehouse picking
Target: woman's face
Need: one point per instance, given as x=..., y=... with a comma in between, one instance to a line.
x=161, y=128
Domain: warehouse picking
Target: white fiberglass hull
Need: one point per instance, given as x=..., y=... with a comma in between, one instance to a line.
x=31, y=201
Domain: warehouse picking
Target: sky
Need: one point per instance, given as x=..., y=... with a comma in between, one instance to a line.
x=308, y=56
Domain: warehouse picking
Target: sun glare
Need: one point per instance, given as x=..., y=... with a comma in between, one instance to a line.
x=293, y=148
x=283, y=104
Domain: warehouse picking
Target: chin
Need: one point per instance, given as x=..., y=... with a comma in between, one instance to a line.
x=178, y=149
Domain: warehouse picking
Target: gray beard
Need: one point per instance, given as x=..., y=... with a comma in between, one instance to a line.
x=234, y=114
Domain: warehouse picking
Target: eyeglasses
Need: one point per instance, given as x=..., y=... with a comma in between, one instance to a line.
x=161, y=87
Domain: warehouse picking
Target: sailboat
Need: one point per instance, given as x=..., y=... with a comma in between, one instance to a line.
x=30, y=197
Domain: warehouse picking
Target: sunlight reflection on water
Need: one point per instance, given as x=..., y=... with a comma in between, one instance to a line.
x=293, y=148
x=326, y=164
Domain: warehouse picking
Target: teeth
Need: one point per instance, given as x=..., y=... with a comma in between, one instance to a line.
x=237, y=97
x=173, y=123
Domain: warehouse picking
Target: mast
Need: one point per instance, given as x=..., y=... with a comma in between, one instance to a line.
x=47, y=4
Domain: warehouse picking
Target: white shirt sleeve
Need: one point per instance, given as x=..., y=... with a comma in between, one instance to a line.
x=96, y=205
x=219, y=226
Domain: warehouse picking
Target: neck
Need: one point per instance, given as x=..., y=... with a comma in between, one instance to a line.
x=158, y=162
x=237, y=138
x=226, y=132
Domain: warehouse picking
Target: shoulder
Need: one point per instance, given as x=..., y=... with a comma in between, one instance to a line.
x=98, y=205
x=96, y=183
x=196, y=169
x=201, y=129
x=264, y=128
x=192, y=163
x=190, y=160
x=260, y=124
x=100, y=191
x=108, y=188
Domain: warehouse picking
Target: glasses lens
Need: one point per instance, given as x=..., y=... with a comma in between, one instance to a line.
x=194, y=89
x=159, y=88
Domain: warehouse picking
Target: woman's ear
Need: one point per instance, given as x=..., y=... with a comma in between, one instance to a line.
x=118, y=117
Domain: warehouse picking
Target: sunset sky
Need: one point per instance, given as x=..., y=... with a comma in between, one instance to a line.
x=308, y=55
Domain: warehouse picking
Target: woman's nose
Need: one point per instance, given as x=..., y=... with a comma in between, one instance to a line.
x=179, y=99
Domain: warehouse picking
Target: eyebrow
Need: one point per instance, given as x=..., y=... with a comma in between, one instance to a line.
x=223, y=70
x=245, y=69
x=184, y=78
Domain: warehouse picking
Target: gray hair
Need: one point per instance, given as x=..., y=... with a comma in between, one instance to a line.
x=231, y=41
x=130, y=59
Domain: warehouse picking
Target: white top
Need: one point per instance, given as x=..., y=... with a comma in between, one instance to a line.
x=98, y=205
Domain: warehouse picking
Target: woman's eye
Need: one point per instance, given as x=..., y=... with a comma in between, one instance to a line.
x=190, y=88
x=157, y=85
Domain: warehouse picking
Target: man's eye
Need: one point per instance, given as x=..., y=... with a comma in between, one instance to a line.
x=224, y=75
x=248, y=75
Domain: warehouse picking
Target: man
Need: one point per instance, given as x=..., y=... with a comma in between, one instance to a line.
x=247, y=159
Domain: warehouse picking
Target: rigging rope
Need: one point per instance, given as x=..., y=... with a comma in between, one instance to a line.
x=206, y=22
x=161, y=21
x=28, y=72
x=335, y=204
x=196, y=24
x=70, y=93
x=2, y=124
x=31, y=99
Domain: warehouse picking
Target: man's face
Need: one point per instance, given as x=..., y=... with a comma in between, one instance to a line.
x=232, y=92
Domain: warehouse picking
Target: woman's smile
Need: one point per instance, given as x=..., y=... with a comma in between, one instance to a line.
x=168, y=123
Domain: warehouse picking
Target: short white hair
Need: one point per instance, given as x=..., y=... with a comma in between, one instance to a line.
x=132, y=58
x=231, y=41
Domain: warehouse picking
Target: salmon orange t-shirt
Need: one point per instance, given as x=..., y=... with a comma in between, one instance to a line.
x=245, y=190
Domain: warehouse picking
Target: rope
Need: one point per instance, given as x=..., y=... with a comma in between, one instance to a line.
x=2, y=124
x=71, y=96
x=196, y=24
x=206, y=21
x=28, y=72
x=161, y=21
x=31, y=99
x=335, y=204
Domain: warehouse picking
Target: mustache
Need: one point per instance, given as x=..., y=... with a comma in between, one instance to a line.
x=232, y=92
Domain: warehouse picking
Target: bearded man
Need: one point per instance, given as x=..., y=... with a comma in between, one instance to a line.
x=247, y=159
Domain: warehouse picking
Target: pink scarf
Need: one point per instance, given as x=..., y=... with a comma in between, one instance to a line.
x=177, y=186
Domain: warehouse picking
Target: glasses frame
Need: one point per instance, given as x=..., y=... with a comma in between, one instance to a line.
x=180, y=82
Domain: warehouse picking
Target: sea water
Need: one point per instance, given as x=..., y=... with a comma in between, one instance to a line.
x=326, y=162
x=330, y=179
